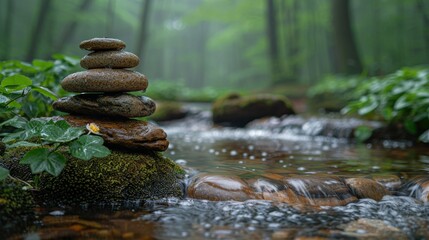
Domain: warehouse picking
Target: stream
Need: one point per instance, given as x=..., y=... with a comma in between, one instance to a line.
x=252, y=153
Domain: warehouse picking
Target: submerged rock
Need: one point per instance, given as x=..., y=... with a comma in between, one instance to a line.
x=105, y=80
x=115, y=105
x=167, y=111
x=95, y=44
x=366, y=188
x=125, y=133
x=109, y=59
x=365, y=228
x=236, y=110
x=119, y=177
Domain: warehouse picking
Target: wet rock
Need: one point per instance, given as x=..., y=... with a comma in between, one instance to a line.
x=116, y=105
x=167, y=111
x=236, y=110
x=365, y=228
x=127, y=133
x=218, y=188
x=366, y=188
x=120, y=177
x=390, y=182
x=95, y=44
x=287, y=234
x=418, y=187
x=320, y=190
x=105, y=80
x=109, y=59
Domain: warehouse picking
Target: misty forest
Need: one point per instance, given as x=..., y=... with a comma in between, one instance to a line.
x=217, y=119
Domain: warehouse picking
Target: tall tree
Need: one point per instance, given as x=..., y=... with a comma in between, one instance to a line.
x=273, y=48
x=70, y=29
x=347, y=59
x=144, y=23
x=7, y=34
x=34, y=39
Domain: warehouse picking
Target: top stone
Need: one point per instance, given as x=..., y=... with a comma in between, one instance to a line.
x=97, y=44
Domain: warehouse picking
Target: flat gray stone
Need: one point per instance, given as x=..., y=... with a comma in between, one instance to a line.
x=96, y=44
x=105, y=80
x=109, y=59
x=116, y=105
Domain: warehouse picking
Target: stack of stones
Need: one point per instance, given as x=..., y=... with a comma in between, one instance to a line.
x=104, y=101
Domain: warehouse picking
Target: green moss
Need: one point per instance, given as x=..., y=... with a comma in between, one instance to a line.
x=16, y=204
x=167, y=110
x=121, y=176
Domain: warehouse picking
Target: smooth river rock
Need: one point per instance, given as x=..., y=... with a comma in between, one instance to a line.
x=367, y=188
x=115, y=105
x=127, y=133
x=109, y=59
x=218, y=188
x=96, y=44
x=105, y=80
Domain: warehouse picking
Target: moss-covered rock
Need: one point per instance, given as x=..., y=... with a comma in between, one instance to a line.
x=236, y=110
x=166, y=111
x=16, y=206
x=116, y=178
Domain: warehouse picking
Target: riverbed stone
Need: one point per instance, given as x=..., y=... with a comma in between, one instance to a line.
x=320, y=190
x=237, y=110
x=121, y=177
x=115, y=105
x=365, y=228
x=105, y=80
x=96, y=44
x=418, y=187
x=125, y=134
x=218, y=188
x=366, y=188
x=109, y=59
x=390, y=182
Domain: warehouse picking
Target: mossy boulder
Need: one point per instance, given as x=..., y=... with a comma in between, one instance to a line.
x=236, y=110
x=167, y=111
x=117, y=178
x=16, y=206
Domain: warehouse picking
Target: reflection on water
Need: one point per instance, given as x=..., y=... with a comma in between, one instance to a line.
x=259, y=153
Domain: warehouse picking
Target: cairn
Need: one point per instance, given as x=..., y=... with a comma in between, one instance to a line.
x=104, y=98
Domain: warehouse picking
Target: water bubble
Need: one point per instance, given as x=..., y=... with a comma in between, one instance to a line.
x=233, y=153
x=223, y=150
x=284, y=166
x=197, y=147
x=181, y=162
x=281, y=161
x=245, y=154
x=216, y=153
x=252, y=157
x=57, y=213
x=264, y=154
x=251, y=147
x=301, y=169
x=211, y=150
x=172, y=152
x=240, y=162
x=171, y=146
x=375, y=167
x=264, y=159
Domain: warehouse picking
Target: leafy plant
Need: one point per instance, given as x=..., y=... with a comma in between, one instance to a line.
x=399, y=98
x=46, y=137
x=41, y=77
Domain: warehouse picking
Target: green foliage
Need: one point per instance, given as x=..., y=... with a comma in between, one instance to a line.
x=49, y=136
x=362, y=133
x=3, y=173
x=26, y=88
x=398, y=98
x=177, y=91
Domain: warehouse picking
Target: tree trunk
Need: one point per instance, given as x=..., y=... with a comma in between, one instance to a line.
x=69, y=31
x=346, y=55
x=144, y=23
x=273, y=49
x=34, y=40
x=8, y=29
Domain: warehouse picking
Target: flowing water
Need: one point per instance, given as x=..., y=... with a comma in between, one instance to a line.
x=259, y=152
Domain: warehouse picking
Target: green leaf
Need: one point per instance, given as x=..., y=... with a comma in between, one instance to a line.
x=33, y=128
x=42, y=159
x=17, y=122
x=424, y=137
x=410, y=126
x=3, y=173
x=15, y=83
x=42, y=65
x=23, y=144
x=45, y=92
x=13, y=136
x=369, y=104
x=363, y=133
x=55, y=133
x=88, y=146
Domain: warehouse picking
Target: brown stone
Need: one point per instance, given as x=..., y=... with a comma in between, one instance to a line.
x=127, y=133
x=116, y=105
x=109, y=59
x=390, y=182
x=105, y=80
x=218, y=188
x=366, y=188
x=420, y=186
x=96, y=44
x=365, y=228
x=320, y=190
